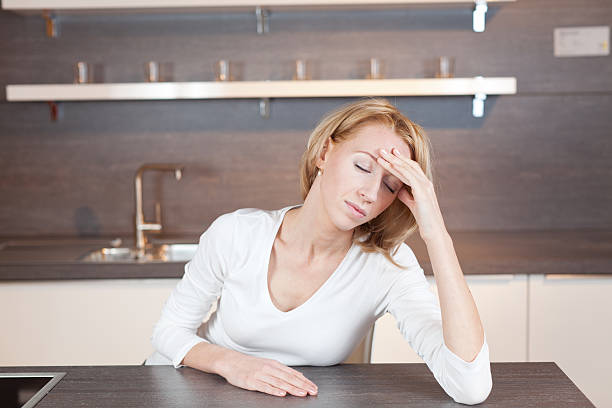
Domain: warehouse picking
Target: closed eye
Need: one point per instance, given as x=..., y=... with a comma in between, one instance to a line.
x=367, y=171
x=361, y=168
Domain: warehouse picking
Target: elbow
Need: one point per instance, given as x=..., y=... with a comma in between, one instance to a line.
x=157, y=337
x=475, y=393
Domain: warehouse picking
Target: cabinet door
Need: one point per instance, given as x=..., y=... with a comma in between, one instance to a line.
x=570, y=323
x=502, y=305
x=85, y=322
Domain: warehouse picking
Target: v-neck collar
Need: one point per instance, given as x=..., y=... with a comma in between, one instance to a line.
x=303, y=305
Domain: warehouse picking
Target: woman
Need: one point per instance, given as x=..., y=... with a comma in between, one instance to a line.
x=303, y=284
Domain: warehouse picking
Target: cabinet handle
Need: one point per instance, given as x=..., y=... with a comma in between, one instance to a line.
x=496, y=277
x=558, y=276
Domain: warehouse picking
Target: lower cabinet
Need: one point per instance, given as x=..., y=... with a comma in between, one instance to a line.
x=80, y=322
x=570, y=323
x=562, y=318
x=86, y=322
x=502, y=305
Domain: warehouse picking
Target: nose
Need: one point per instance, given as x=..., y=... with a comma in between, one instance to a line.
x=369, y=190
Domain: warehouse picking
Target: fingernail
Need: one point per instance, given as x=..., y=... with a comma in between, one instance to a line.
x=397, y=152
x=384, y=151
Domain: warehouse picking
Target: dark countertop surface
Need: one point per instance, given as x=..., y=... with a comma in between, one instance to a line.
x=522, y=385
x=57, y=258
x=479, y=252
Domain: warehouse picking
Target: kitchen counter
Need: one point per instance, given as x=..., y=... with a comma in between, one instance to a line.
x=480, y=252
x=53, y=258
x=522, y=385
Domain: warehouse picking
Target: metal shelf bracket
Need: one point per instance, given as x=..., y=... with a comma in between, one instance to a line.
x=51, y=24
x=56, y=111
x=479, y=15
x=478, y=105
x=262, y=15
x=264, y=108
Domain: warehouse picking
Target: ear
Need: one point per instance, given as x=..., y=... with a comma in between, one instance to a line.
x=324, y=155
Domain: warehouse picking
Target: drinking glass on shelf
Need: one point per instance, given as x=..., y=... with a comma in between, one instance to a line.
x=222, y=70
x=375, y=69
x=446, y=67
x=301, y=71
x=152, y=71
x=82, y=73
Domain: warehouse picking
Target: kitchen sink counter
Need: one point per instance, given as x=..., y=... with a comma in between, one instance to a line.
x=480, y=252
x=51, y=258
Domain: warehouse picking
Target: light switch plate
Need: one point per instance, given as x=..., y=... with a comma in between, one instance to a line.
x=582, y=41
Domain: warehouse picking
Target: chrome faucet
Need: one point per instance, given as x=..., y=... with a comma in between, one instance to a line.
x=140, y=225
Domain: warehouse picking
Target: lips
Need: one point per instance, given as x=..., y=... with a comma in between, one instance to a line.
x=360, y=211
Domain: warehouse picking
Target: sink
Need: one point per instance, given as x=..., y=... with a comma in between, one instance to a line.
x=25, y=390
x=159, y=253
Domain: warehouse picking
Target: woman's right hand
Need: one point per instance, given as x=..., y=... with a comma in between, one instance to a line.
x=264, y=375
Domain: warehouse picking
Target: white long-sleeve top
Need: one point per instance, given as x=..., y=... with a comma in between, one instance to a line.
x=231, y=265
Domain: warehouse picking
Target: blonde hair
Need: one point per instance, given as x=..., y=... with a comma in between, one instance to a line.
x=396, y=223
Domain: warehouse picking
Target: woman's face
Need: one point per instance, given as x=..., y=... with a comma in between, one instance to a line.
x=353, y=178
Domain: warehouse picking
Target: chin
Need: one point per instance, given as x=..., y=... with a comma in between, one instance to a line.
x=344, y=221
x=347, y=225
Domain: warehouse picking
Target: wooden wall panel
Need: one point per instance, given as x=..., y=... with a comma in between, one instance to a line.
x=538, y=160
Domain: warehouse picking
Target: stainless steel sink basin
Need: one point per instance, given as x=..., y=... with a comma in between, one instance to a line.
x=159, y=253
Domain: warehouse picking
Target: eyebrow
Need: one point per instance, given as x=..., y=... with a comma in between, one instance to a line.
x=368, y=153
x=373, y=157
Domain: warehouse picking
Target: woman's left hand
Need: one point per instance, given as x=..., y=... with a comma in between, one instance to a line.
x=422, y=202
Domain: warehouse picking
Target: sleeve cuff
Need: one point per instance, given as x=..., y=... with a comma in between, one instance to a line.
x=481, y=358
x=176, y=362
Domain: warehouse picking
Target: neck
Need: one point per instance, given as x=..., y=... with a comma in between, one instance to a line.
x=309, y=231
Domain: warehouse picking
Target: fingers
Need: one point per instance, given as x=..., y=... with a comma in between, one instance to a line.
x=407, y=170
x=398, y=158
x=405, y=196
x=298, y=381
x=294, y=378
x=389, y=163
x=269, y=389
x=286, y=379
x=309, y=384
x=284, y=385
x=295, y=373
x=399, y=161
x=274, y=378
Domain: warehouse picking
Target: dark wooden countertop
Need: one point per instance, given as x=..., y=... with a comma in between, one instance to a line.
x=479, y=252
x=522, y=385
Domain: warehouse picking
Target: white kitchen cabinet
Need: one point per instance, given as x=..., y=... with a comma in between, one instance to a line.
x=502, y=305
x=570, y=323
x=79, y=322
x=85, y=322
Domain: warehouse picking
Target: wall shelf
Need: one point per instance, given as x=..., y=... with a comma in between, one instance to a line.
x=50, y=9
x=39, y=5
x=479, y=87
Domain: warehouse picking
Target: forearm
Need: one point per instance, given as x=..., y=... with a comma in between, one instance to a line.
x=207, y=357
x=463, y=331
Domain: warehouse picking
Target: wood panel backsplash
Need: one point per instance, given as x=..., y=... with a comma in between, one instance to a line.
x=541, y=159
